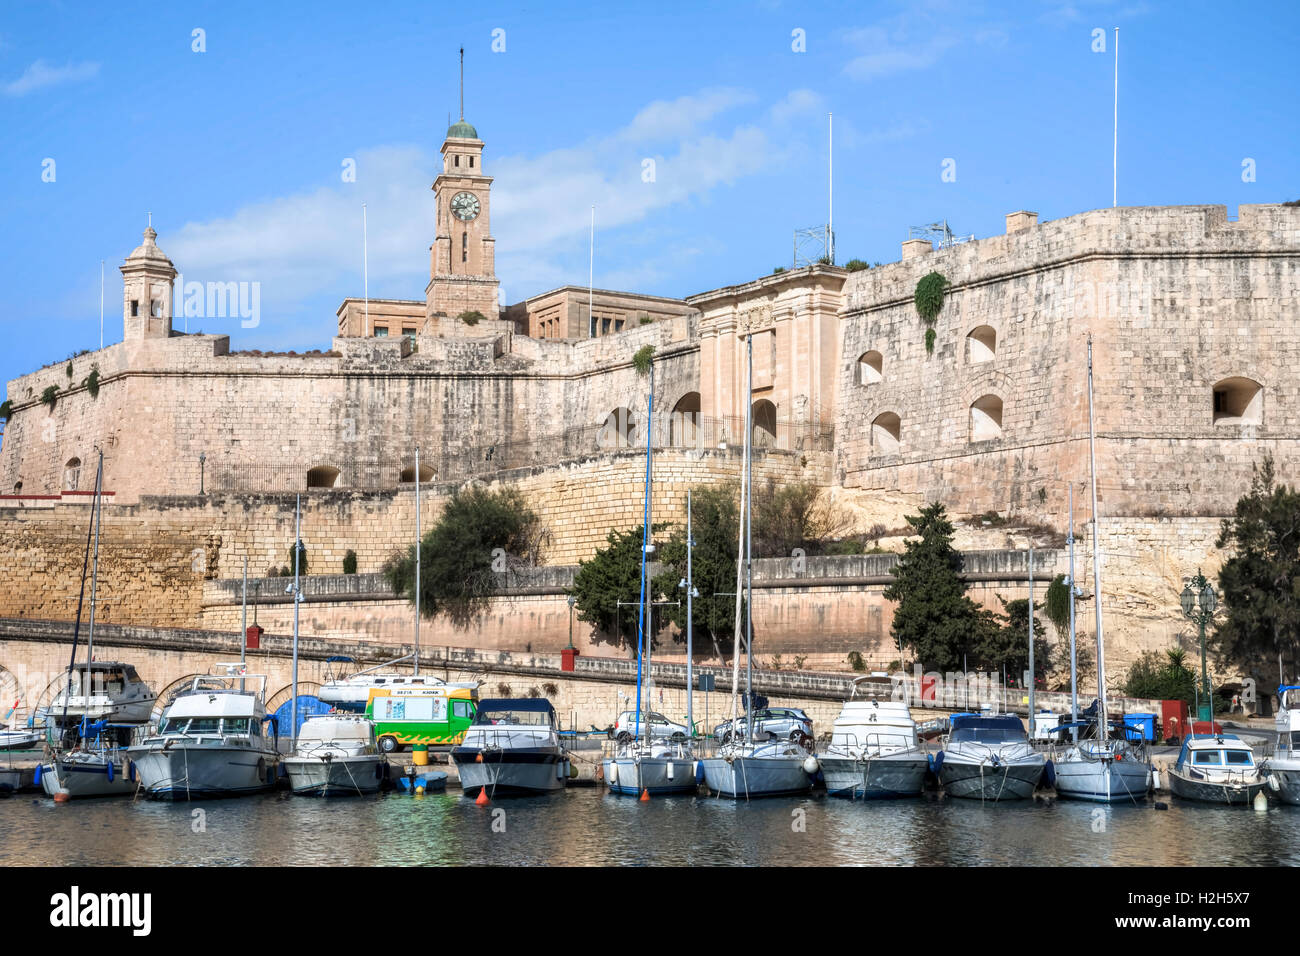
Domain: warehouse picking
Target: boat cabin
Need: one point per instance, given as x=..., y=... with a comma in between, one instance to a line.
x=874, y=725
x=1215, y=758
x=523, y=711
x=1002, y=729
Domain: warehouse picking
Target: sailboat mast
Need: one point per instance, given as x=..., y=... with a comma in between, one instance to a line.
x=416, y=670
x=749, y=538
x=740, y=593
x=1103, y=725
x=297, y=551
x=643, y=605
x=1074, y=658
x=690, y=651
x=94, y=579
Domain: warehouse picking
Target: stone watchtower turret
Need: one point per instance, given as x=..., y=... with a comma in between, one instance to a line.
x=147, y=276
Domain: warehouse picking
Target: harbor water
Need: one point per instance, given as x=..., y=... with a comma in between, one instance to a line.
x=589, y=826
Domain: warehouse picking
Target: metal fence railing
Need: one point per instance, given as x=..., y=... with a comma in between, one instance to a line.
x=452, y=460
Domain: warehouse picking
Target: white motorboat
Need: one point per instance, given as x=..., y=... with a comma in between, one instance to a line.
x=512, y=748
x=1283, y=767
x=20, y=739
x=874, y=751
x=336, y=754
x=210, y=741
x=657, y=767
x=1216, y=768
x=102, y=690
x=988, y=758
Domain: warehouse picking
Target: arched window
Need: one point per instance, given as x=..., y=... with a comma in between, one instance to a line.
x=981, y=344
x=408, y=474
x=684, y=423
x=885, y=431
x=18, y=487
x=1238, y=401
x=72, y=474
x=618, y=431
x=869, y=368
x=764, y=418
x=986, y=418
x=323, y=476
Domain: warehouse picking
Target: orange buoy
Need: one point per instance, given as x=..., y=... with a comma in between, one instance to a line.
x=478, y=758
x=482, y=799
x=61, y=798
x=645, y=794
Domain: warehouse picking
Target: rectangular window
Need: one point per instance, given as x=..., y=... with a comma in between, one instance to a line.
x=155, y=308
x=471, y=162
x=604, y=326
x=456, y=160
x=592, y=329
x=410, y=334
x=1206, y=757
x=1219, y=397
x=464, y=247
x=135, y=306
x=381, y=331
x=618, y=325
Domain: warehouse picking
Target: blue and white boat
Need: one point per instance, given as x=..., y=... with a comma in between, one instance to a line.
x=96, y=767
x=1217, y=768
x=988, y=758
x=1283, y=767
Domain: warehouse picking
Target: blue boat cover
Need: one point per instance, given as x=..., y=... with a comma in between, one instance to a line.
x=539, y=705
x=1000, y=722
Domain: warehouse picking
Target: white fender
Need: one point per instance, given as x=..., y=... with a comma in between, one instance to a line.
x=613, y=773
x=810, y=765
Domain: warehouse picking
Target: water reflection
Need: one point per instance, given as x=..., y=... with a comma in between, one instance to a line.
x=586, y=827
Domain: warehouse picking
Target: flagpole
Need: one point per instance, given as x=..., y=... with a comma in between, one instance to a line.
x=365, y=265
x=1114, y=183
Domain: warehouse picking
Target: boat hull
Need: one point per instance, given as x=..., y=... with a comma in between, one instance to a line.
x=1206, y=791
x=658, y=775
x=877, y=778
x=341, y=776
x=10, y=780
x=510, y=772
x=747, y=776
x=1287, y=772
x=1008, y=780
x=1102, y=781
x=203, y=772
x=78, y=777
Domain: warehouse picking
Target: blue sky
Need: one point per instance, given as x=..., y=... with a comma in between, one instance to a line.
x=238, y=150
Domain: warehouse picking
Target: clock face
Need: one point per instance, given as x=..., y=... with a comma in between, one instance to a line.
x=464, y=206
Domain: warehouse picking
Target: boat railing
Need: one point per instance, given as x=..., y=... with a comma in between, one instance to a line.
x=875, y=744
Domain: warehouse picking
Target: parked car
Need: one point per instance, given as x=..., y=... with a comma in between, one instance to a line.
x=788, y=722
x=626, y=728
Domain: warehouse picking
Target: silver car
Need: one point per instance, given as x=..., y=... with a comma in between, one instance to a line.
x=661, y=728
x=790, y=723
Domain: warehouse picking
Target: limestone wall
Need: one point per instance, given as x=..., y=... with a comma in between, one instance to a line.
x=1177, y=299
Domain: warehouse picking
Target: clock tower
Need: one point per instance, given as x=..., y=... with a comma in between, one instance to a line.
x=462, y=263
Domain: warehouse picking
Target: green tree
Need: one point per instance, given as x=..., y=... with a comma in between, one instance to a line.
x=1260, y=583
x=613, y=574
x=479, y=534
x=715, y=514
x=1003, y=641
x=934, y=617
x=1161, y=677
x=788, y=516
x=302, y=558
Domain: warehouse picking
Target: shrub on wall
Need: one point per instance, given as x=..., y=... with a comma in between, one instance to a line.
x=471, y=317
x=6, y=409
x=929, y=302
x=350, y=562
x=50, y=396
x=642, y=359
x=91, y=381
x=302, y=559
x=856, y=265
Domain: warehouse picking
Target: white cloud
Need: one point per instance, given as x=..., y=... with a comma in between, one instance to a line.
x=41, y=75
x=888, y=50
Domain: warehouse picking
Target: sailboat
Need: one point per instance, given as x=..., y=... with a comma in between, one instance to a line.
x=644, y=765
x=91, y=761
x=748, y=767
x=1099, y=769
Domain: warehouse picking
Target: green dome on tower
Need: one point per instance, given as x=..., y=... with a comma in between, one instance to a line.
x=461, y=130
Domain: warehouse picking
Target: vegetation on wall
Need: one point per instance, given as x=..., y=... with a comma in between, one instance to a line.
x=50, y=396
x=1057, y=605
x=6, y=409
x=1154, y=676
x=856, y=265
x=778, y=270
x=302, y=559
x=478, y=534
x=91, y=381
x=350, y=562
x=471, y=317
x=929, y=295
x=929, y=341
x=643, y=358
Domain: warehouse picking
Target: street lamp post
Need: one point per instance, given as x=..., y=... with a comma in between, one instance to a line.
x=572, y=601
x=203, y=458
x=1199, y=601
